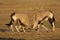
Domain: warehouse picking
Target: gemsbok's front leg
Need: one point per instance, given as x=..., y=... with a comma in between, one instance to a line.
x=53, y=27
x=39, y=25
x=12, y=28
x=44, y=28
x=52, y=22
x=17, y=28
x=24, y=29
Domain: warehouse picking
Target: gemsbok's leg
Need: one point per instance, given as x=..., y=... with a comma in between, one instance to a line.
x=12, y=28
x=17, y=28
x=44, y=28
x=23, y=29
x=38, y=27
x=16, y=23
x=41, y=24
x=52, y=22
x=53, y=26
x=11, y=25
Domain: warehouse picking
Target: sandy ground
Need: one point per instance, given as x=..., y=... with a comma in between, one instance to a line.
x=7, y=7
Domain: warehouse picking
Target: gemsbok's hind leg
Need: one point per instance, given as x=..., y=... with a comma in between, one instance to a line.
x=12, y=28
x=10, y=24
x=52, y=22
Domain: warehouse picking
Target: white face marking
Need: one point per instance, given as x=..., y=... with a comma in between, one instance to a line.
x=50, y=15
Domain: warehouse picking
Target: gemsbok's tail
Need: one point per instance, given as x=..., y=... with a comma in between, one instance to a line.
x=11, y=22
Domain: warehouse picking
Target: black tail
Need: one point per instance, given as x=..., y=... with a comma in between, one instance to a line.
x=12, y=14
x=11, y=17
x=9, y=23
x=12, y=20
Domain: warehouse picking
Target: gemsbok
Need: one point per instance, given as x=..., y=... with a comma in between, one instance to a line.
x=36, y=20
x=42, y=16
x=22, y=19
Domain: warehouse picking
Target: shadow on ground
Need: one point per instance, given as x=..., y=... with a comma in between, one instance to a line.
x=11, y=39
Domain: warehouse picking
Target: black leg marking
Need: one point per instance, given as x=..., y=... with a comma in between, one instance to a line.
x=51, y=20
